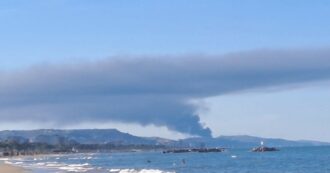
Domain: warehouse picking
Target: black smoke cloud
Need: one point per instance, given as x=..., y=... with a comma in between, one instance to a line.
x=149, y=90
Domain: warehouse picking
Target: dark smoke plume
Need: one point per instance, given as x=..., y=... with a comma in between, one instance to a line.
x=149, y=90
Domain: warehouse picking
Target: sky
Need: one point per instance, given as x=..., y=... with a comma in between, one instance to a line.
x=167, y=68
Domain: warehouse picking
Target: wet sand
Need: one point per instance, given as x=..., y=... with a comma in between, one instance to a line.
x=5, y=168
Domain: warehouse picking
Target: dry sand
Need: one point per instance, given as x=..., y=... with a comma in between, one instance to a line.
x=5, y=168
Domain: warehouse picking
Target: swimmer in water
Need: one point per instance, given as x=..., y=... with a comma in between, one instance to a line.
x=183, y=161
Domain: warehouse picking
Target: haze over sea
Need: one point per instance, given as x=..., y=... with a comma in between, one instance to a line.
x=288, y=160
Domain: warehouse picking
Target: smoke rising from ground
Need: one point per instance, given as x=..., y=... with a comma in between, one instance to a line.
x=150, y=90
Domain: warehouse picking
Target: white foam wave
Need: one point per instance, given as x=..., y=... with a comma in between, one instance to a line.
x=138, y=171
x=12, y=162
x=8, y=162
x=76, y=167
x=81, y=158
x=40, y=164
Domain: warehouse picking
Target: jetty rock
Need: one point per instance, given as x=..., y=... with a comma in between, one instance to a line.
x=264, y=149
x=195, y=150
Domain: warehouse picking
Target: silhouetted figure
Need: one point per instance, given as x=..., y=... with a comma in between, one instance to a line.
x=183, y=161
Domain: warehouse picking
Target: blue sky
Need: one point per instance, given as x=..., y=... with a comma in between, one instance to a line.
x=70, y=31
x=66, y=30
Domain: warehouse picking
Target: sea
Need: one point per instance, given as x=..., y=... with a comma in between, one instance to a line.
x=287, y=160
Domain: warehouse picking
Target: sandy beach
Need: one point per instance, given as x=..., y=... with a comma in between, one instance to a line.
x=5, y=168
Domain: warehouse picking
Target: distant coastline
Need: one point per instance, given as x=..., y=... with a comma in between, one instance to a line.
x=51, y=141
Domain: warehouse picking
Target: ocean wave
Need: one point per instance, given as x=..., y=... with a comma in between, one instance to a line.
x=12, y=163
x=8, y=162
x=81, y=158
x=68, y=167
x=75, y=168
x=60, y=164
x=85, y=167
x=138, y=171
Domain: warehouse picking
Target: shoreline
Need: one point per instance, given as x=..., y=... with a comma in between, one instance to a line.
x=7, y=168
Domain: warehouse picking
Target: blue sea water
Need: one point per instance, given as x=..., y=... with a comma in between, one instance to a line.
x=287, y=160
